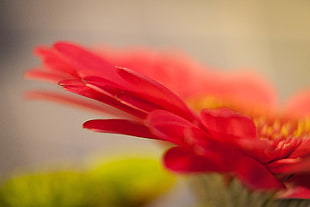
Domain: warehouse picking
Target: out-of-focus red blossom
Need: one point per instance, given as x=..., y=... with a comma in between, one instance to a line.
x=266, y=149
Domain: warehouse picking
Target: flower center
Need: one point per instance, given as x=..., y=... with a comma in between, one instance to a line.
x=269, y=124
x=282, y=128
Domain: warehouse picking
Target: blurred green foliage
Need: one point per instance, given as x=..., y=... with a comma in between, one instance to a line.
x=132, y=182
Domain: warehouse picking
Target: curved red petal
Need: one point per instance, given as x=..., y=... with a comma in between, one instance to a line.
x=303, y=149
x=250, y=90
x=291, y=166
x=155, y=92
x=299, y=104
x=120, y=93
x=298, y=187
x=226, y=124
x=86, y=62
x=170, y=127
x=55, y=62
x=255, y=175
x=119, y=126
x=181, y=160
x=79, y=87
x=298, y=192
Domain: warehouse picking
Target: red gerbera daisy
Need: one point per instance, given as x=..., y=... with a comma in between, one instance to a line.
x=264, y=149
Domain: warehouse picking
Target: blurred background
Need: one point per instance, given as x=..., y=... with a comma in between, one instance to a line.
x=271, y=37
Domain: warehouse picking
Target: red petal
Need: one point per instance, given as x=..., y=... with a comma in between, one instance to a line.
x=181, y=160
x=299, y=104
x=170, y=127
x=298, y=187
x=250, y=172
x=303, y=149
x=119, y=126
x=249, y=89
x=255, y=175
x=291, y=166
x=226, y=124
x=156, y=93
x=79, y=87
x=299, y=192
x=86, y=62
x=119, y=93
x=54, y=61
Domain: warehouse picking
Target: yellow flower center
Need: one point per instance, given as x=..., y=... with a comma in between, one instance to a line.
x=270, y=124
x=282, y=128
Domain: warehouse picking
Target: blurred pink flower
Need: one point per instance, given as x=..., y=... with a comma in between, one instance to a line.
x=266, y=148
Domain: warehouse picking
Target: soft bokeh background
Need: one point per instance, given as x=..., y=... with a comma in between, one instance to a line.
x=271, y=37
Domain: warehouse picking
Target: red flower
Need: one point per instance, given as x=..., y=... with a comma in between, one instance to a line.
x=263, y=149
x=203, y=85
